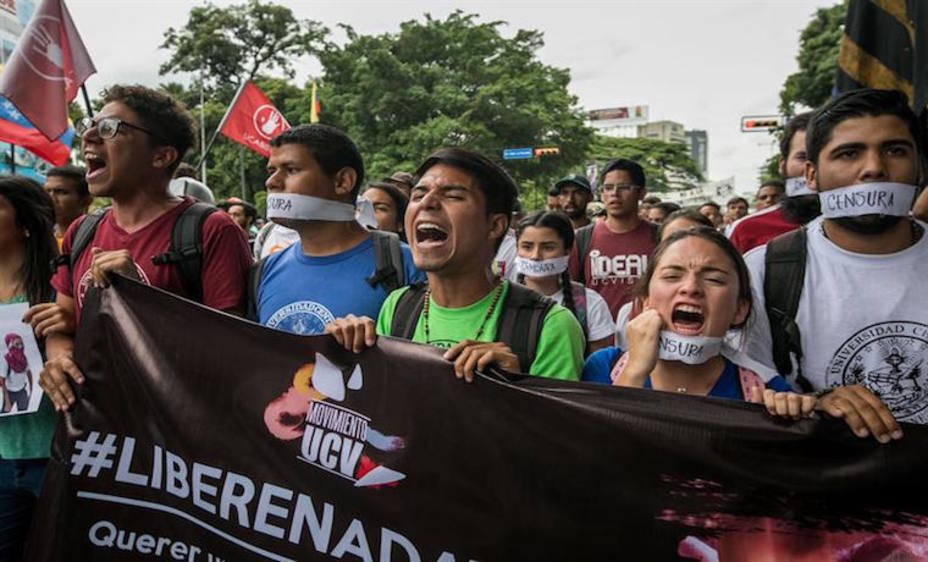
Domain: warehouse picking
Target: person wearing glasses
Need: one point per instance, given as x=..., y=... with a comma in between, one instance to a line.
x=131, y=149
x=610, y=255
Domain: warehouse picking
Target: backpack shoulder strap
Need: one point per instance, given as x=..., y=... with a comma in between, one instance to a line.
x=388, y=271
x=407, y=311
x=578, y=291
x=81, y=239
x=521, y=321
x=186, y=250
x=784, y=273
x=584, y=237
x=252, y=281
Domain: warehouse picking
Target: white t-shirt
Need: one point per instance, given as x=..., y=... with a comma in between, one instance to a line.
x=863, y=320
x=504, y=264
x=598, y=318
x=273, y=238
x=621, y=322
x=14, y=381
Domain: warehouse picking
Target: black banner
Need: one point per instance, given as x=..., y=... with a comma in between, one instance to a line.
x=200, y=437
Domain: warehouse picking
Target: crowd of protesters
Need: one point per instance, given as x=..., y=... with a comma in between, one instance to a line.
x=800, y=306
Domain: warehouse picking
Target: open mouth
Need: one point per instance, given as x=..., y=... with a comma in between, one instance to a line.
x=430, y=234
x=687, y=319
x=95, y=166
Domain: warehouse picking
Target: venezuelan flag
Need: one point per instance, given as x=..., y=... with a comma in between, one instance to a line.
x=885, y=46
x=315, y=108
x=15, y=129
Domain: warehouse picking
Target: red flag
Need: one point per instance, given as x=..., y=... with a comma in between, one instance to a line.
x=46, y=69
x=252, y=120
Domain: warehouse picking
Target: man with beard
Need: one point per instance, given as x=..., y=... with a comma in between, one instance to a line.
x=575, y=194
x=458, y=213
x=610, y=255
x=800, y=205
x=840, y=302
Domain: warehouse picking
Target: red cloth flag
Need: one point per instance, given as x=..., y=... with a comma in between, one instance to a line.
x=252, y=120
x=46, y=69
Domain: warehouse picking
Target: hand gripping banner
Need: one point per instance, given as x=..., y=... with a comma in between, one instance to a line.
x=201, y=437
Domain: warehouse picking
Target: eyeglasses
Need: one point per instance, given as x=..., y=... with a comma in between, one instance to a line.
x=107, y=127
x=623, y=187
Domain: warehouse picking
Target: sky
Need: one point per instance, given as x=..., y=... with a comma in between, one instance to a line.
x=698, y=62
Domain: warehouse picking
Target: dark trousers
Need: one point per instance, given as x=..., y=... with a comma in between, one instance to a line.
x=20, y=484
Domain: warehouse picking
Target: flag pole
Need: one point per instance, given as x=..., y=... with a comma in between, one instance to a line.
x=87, y=101
x=241, y=167
x=202, y=130
x=209, y=145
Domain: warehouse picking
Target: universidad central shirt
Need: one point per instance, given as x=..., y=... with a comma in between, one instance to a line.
x=560, y=347
x=302, y=294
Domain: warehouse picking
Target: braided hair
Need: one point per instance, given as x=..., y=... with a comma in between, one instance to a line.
x=559, y=223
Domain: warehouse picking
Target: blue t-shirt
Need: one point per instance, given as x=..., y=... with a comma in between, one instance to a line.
x=599, y=365
x=301, y=294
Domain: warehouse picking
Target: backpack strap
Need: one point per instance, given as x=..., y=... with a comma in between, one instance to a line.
x=407, y=311
x=521, y=321
x=252, y=280
x=583, y=237
x=79, y=242
x=785, y=268
x=389, y=271
x=186, y=250
x=578, y=291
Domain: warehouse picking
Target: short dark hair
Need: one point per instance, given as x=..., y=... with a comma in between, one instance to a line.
x=330, y=147
x=76, y=174
x=736, y=199
x=858, y=103
x=161, y=114
x=498, y=187
x=633, y=169
x=651, y=200
x=400, y=200
x=553, y=192
x=185, y=170
x=710, y=204
x=667, y=206
x=776, y=184
x=691, y=215
x=797, y=123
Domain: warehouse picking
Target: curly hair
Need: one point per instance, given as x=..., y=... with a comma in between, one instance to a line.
x=160, y=113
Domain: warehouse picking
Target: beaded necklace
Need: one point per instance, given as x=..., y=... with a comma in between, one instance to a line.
x=483, y=325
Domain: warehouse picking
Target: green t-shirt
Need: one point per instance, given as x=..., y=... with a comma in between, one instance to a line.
x=560, y=347
x=27, y=436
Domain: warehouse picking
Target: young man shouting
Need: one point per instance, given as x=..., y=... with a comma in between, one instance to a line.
x=458, y=213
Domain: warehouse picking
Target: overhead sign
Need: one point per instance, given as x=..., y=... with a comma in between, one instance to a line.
x=761, y=123
x=547, y=151
x=630, y=115
x=524, y=153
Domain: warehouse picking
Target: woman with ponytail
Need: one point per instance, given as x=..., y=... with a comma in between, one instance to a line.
x=544, y=240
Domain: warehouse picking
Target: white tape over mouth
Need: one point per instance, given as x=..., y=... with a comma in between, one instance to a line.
x=543, y=268
x=692, y=350
x=878, y=198
x=308, y=208
x=796, y=187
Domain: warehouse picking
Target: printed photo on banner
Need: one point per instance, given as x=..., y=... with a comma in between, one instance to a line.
x=22, y=362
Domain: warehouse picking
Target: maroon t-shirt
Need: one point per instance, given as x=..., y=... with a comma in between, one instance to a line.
x=761, y=227
x=615, y=262
x=226, y=257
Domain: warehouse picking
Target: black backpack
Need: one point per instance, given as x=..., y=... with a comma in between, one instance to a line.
x=185, y=251
x=785, y=270
x=520, y=323
x=389, y=271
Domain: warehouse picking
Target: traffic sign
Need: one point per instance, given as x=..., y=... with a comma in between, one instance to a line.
x=518, y=153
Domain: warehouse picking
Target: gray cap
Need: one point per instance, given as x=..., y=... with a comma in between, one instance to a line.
x=182, y=187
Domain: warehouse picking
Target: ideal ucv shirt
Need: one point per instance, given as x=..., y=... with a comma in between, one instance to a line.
x=863, y=320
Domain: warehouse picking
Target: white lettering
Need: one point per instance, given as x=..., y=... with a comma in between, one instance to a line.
x=123, y=472
x=200, y=487
x=388, y=538
x=266, y=508
x=240, y=501
x=105, y=540
x=176, y=476
x=353, y=542
x=320, y=531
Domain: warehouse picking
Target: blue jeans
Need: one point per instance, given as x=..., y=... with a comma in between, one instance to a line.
x=20, y=484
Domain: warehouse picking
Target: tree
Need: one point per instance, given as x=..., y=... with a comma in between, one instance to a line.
x=667, y=165
x=819, y=42
x=455, y=81
x=239, y=43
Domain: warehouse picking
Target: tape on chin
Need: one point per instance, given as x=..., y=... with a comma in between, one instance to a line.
x=796, y=187
x=878, y=198
x=692, y=350
x=298, y=207
x=543, y=268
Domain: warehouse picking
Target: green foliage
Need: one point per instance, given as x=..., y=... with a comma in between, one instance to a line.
x=455, y=81
x=819, y=42
x=663, y=162
x=771, y=169
x=239, y=43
